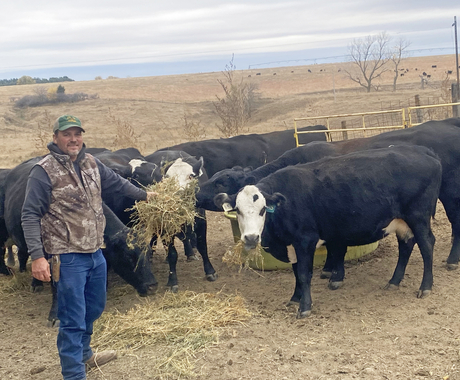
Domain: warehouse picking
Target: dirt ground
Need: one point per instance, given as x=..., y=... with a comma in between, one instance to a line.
x=360, y=331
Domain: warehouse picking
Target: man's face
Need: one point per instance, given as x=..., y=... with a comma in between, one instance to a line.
x=69, y=141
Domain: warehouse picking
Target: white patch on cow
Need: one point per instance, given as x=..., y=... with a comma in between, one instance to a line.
x=181, y=171
x=291, y=254
x=135, y=163
x=400, y=228
x=249, y=203
x=320, y=243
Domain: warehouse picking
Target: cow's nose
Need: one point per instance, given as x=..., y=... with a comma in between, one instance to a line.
x=250, y=241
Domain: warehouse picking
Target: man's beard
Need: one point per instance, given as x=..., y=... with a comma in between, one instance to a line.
x=73, y=152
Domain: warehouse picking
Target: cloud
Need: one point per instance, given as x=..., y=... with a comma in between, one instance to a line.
x=57, y=33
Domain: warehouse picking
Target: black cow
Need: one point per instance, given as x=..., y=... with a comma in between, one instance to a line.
x=133, y=267
x=129, y=163
x=246, y=150
x=442, y=136
x=354, y=199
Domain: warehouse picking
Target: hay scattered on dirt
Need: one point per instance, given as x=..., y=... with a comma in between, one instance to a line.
x=18, y=282
x=164, y=214
x=240, y=257
x=181, y=322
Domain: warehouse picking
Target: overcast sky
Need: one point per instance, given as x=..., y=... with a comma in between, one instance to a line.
x=42, y=36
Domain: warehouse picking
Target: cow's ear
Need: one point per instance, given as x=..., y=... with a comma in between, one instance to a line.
x=223, y=201
x=274, y=200
x=198, y=167
x=250, y=180
x=121, y=170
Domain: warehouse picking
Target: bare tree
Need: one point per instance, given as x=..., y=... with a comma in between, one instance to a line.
x=370, y=55
x=235, y=109
x=398, y=53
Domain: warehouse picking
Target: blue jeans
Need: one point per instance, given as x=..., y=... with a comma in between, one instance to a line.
x=81, y=294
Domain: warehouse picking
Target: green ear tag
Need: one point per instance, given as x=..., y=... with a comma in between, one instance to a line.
x=270, y=209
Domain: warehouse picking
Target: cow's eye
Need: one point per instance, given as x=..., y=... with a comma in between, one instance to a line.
x=262, y=212
x=237, y=211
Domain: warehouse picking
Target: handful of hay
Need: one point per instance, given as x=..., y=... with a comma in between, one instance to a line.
x=240, y=257
x=164, y=214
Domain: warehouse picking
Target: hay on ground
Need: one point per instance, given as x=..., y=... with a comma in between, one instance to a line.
x=164, y=214
x=18, y=282
x=181, y=323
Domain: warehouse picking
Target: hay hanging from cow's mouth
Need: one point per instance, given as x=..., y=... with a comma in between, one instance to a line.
x=164, y=214
x=179, y=324
x=240, y=257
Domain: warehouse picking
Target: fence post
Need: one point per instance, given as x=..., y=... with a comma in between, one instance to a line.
x=343, y=125
x=455, y=99
x=418, y=111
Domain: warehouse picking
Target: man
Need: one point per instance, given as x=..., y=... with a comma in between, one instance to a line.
x=62, y=216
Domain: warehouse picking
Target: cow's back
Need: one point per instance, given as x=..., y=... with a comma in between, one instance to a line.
x=341, y=196
x=219, y=154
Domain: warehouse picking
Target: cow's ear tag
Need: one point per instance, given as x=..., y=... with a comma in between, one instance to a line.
x=270, y=209
x=227, y=207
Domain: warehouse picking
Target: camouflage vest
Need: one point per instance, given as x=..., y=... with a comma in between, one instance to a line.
x=75, y=220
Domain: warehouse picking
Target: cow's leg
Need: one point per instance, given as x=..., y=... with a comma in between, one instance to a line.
x=452, y=206
x=425, y=241
x=53, y=320
x=337, y=254
x=189, y=242
x=10, y=261
x=327, y=268
x=3, y=268
x=172, y=261
x=295, y=299
x=405, y=250
x=23, y=256
x=305, y=251
x=201, y=230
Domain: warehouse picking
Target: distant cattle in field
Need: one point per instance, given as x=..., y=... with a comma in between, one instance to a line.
x=434, y=66
x=351, y=200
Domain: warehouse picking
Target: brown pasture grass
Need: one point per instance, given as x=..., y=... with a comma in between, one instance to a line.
x=154, y=106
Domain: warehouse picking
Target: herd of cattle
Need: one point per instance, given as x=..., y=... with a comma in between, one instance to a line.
x=340, y=194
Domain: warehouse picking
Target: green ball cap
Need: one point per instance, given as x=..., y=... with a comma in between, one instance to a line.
x=65, y=122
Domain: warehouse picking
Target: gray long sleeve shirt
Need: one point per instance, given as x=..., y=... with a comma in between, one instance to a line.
x=38, y=199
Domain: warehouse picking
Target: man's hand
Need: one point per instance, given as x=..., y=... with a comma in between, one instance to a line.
x=41, y=269
x=151, y=194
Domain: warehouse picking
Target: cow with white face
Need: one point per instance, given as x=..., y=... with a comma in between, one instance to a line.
x=184, y=172
x=143, y=172
x=251, y=208
x=354, y=199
